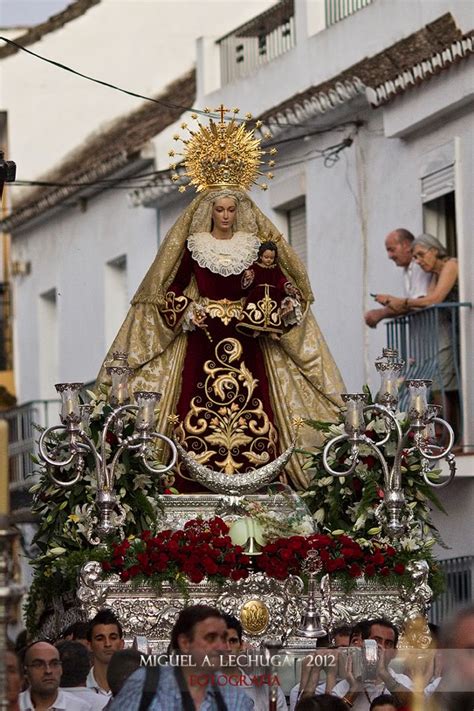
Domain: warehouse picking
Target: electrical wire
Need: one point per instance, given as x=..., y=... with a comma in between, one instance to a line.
x=160, y=102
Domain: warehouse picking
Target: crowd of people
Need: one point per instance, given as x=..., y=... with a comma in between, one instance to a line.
x=208, y=666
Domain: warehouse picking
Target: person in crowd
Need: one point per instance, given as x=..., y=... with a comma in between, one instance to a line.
x=122, y=665
x=325, y=659
x=43, y=671
x=105, y=636
x=384, y=702
x=359, y=632
x=454, y=690
x=323, y=702
x=13, y=678
x=199, y=644
x=340, y=636
x=77, y=632
x=398, y=245
x=359, y=693
x=21, y=642
x=431, y=256
x=260, y=694
x=76, y=665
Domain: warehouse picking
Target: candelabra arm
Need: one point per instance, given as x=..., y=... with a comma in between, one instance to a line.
x=353, y=456
x=80, y=448
x=444, y=450
x=387, y=415
x=162, y=469
x=44, y=452
x=110, y=419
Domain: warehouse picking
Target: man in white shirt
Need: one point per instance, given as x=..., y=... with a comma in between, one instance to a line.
x=43, y=670
x=399, y=245
x=76, y=664
x=105, y=637
x=359, y=694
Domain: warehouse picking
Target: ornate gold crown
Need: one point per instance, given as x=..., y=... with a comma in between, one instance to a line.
x=222, y=154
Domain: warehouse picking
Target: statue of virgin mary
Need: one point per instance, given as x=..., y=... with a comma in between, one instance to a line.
x=229, y=396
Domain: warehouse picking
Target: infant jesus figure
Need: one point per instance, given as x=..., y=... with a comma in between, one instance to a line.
x=273, y=304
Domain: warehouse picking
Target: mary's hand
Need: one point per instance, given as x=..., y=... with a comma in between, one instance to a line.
x=199, y=319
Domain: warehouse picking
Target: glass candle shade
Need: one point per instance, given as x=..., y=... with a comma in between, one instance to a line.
x=418, y=398
x=146, y=402
x=354, y=420
x=119, y=392
x=70, y=406
x=390, y=369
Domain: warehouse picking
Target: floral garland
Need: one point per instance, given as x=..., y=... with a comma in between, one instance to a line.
x=203, y=548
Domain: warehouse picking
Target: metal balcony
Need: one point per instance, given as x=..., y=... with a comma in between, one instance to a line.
x=417, y=337
x=459, y=577
x=23, y=423
x=337, y=10
x=258, y=41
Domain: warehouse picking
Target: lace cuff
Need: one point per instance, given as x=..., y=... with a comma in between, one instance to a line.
x=291, y=313
x=174, y=308
x=188, y=319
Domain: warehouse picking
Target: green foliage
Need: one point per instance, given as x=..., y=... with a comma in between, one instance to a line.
x=65, y=515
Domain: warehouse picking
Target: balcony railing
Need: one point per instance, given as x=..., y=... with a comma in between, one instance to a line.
x=337, y=10
x=428, y=342
x=22, y=437
x=459, y=576
x=258, y=42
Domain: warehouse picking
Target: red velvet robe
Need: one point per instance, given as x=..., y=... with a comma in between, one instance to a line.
x=224, y=407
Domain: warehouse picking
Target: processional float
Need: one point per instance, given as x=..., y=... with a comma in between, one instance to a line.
x=285, y=611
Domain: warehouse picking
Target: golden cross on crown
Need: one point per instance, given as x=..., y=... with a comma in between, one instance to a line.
x=222, y=110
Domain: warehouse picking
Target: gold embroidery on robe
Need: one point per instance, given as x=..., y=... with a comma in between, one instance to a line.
x=174, y=307
x=227, y=422
x=223, y=309
x=261, y=315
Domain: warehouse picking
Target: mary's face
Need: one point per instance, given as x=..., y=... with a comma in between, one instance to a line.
x=223, y=213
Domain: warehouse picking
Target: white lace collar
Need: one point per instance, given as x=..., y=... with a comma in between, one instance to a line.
x=224, y=256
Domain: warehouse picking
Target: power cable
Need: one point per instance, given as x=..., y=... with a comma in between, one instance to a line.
x=160, y=102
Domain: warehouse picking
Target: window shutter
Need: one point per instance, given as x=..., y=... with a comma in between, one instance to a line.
x=297, y=231
x=437, y=184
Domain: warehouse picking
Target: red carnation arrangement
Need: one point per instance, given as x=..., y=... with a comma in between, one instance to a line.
x=201, y=549
x=338, y=554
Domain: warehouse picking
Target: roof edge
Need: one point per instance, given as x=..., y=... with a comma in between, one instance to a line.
x=55, y=22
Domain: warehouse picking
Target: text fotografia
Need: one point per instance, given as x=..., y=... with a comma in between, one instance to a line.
x=233, y=661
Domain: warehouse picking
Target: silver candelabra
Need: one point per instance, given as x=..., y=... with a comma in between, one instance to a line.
x=421, y=437
x=65, y=447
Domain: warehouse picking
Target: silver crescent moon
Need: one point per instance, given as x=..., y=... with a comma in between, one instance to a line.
x=235, y=484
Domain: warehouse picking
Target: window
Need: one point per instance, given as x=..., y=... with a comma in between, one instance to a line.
x=297, y=231
x=438, y=195
x=48, y=343
x=116, y=296
x=439, y=219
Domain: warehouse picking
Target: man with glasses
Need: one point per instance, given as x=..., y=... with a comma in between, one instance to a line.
x=43, y=671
